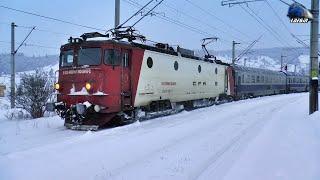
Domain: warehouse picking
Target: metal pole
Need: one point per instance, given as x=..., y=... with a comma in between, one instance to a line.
x=234, y=52
x=13, y=91
x=117, y=13
x=314, y=69
x=281, y=62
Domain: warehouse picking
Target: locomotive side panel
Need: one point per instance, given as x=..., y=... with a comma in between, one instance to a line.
x=176, y=78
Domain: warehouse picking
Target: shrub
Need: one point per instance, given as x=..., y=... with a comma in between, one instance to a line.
x=33, y=92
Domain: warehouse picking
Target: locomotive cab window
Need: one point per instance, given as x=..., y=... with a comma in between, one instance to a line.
x=112, y=57
x=66, y=58
x=89, y=56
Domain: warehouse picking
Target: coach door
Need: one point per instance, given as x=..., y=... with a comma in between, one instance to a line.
x=125, y=80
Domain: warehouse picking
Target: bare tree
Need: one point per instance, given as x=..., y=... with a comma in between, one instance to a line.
x=34, y=91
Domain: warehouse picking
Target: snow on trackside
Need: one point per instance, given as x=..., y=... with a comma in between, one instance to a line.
x=262, y=138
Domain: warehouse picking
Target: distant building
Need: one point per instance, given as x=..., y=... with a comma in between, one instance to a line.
x=2, y=89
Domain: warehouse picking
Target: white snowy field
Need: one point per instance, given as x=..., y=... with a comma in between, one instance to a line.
x=260, y=139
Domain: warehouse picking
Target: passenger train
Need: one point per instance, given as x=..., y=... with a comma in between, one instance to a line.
x=104, y=81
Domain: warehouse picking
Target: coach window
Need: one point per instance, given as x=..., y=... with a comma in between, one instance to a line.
x=242, y=80
x=239, y=80
x=125, y=59
x=112, y=57
x=248, y=79
x=258, y=79
x=253, y=79
x=262, y=79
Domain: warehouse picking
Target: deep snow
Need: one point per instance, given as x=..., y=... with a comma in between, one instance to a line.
x=263, y=138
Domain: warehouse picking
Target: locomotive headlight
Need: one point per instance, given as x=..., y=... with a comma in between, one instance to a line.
x=57, y=86
x=88, y=86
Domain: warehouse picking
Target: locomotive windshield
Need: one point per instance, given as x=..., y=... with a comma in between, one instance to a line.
x=89, y=56
x=66, y=58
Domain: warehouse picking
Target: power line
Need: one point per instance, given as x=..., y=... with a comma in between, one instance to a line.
x=151, y=10
x=287, y=28
x=274, y=11
x=45, y=30
x=216, y=17
x=176, y=22
x=39, y=29
x=275, y=32
x=262, y=23
x=282, y=22
x=51, y=18
x=140, y=10
x=284, y=2
x=33, y=45
x=202, y=21
x=173, y=21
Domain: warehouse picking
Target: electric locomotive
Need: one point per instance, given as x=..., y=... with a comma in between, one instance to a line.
x=103, y=81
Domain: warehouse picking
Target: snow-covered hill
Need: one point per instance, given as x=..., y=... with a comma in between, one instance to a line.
x=26, y=63
x=268, y=58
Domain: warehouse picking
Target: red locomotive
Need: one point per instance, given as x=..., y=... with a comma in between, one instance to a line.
x=110, y=80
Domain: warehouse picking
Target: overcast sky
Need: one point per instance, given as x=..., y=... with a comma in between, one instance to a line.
x=227, y=23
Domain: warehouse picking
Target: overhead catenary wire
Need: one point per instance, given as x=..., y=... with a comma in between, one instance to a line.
x=176, y=22
x=219, y=19
x=38, y=29
x=171, y=20
x=51, y=18
x=147, y=13
x=269, y=27
x=24, y=40
x=282, y=22
x=31, y=44
x=202, y=22
x=287, y=28
x=135, y=13
x=266, y=26
x=284, y=2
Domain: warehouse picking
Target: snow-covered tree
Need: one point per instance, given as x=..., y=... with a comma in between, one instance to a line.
x=34, y=91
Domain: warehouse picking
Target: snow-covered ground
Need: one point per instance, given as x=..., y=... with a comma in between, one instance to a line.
x=263, y=138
